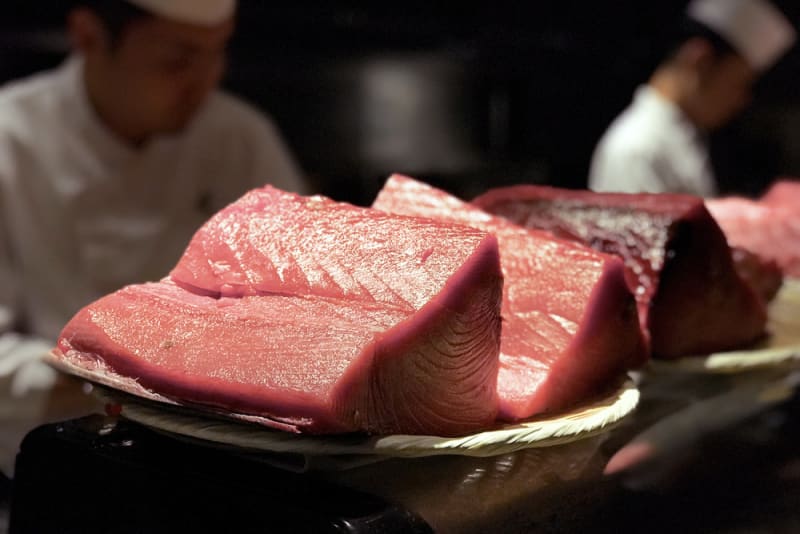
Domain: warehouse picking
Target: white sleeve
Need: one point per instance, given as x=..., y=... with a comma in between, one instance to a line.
x=20, y=355
x=21, y=358
x=8, y=282
x=628, y=172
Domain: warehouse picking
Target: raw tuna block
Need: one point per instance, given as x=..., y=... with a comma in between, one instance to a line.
x=569, y=321
x=317, y=316
x=691, y=298
x=769, y=229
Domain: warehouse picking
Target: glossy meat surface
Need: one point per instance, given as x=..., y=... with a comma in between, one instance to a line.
x=414, y=349
x=273, y=242
x=569, y=321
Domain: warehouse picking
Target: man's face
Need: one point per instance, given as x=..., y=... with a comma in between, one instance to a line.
x=162, y=71
x=724, y=89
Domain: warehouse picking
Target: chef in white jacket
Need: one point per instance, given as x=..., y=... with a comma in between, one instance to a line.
x=658, y=144
x=109, y=163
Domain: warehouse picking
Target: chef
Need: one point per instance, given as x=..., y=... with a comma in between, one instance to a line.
x=109, y=163
x=659, y=143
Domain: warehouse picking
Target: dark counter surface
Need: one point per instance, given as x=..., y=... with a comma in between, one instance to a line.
x=728, y=465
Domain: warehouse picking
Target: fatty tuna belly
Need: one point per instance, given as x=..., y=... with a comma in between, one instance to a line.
x=570, y=328
x=691, y=298
x=310, y=364
x=271, y=241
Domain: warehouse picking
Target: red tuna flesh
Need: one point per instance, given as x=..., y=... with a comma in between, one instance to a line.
x=764, y=275
x=271, y=242
x=309, y=357
x=783, y=193
x=691, y=298
x=569, y=320
x=770, y=230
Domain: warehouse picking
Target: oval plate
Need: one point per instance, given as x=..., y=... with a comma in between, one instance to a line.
x=589, y=420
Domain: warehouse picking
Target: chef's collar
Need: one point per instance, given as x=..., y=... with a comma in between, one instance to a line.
x=655, y=104
x=648, y=97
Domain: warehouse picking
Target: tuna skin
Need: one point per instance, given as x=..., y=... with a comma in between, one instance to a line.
x=569, y=321
x=306, y=354
x=691, y=299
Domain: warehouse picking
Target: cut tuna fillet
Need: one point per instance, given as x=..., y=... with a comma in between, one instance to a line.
x=395, y=329
x=569, y=320
x=770, y=230
x=691, y=299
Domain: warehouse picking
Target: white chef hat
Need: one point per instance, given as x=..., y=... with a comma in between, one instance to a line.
x=754, y=28
x=200, y=12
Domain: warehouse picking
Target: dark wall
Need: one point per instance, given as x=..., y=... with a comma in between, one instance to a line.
x=521, y=93
x=464, y=98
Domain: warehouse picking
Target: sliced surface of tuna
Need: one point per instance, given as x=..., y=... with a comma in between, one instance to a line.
x=362, y=322
x=691, y=299
x=569, y=321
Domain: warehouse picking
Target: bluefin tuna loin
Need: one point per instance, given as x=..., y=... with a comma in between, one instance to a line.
x=691, y=299
x=570, y=327
x=317, y=316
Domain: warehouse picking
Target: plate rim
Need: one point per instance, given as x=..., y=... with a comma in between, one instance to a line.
x=596, y=417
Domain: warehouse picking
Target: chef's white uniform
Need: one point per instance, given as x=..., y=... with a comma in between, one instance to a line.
x=652, y=147
x=82, y=213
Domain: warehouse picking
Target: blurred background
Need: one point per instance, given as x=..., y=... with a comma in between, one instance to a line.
x=464, y=99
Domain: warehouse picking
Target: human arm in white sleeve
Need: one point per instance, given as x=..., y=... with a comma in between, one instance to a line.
x=20, y=355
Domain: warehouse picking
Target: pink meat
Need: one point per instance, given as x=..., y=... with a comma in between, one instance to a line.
x=569, y=320
x=691, y=298
x=783, y=193
x=770, y=230
x=394, y=330
x=762, y=274
x=271, y=242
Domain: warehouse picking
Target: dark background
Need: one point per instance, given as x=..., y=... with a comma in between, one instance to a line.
x=466, y=98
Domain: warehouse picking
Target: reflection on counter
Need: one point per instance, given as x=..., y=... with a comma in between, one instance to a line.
x=735, y=469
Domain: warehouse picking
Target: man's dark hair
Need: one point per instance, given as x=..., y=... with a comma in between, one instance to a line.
x=116, y=15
